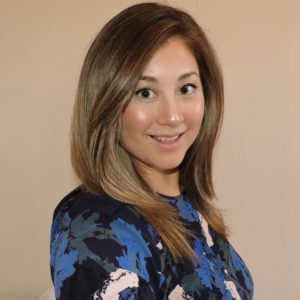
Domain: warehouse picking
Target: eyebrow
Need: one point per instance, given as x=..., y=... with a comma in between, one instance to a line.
x=181, y=77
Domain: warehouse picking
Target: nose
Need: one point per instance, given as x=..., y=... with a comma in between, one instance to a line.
x=170, y=112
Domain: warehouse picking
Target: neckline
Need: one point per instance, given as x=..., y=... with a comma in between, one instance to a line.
x=180, y=196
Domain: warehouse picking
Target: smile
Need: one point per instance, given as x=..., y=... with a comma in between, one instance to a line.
x=166, y=138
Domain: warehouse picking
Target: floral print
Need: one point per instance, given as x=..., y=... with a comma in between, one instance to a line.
x=102, y=248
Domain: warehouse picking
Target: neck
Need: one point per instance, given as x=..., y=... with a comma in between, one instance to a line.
x=161, y=181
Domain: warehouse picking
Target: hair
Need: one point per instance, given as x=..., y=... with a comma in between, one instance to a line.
x=110, y=72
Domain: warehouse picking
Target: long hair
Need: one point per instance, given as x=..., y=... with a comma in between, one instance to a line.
x=110, y=72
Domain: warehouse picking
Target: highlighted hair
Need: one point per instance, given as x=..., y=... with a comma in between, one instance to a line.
x=110, y=72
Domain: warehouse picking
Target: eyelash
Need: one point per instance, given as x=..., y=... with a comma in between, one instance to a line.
x=138, y=92
x=189, y=85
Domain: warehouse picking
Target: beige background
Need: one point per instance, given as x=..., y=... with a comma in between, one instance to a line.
x=42, y=45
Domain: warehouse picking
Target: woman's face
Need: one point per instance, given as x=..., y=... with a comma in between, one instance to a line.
x=164, y=117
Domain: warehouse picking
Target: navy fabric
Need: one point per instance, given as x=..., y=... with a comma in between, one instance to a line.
x=102, y=248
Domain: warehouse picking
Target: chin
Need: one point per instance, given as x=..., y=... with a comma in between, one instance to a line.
x=169, y=167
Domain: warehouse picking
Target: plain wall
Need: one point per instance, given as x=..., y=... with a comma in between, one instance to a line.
x=257, y=163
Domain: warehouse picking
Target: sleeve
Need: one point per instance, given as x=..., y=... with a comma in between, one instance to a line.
x=95, y=257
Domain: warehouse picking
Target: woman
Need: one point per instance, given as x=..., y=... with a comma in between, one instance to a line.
x=148, y=112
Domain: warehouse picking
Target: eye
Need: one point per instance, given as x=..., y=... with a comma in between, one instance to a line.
x=145, y=93
x=188, y=89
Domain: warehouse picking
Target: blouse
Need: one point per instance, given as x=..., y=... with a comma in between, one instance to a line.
x=102, y=248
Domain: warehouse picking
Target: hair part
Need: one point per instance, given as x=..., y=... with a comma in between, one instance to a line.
x=110, y=72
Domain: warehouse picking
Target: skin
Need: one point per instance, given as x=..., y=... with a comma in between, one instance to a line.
x=168, y=101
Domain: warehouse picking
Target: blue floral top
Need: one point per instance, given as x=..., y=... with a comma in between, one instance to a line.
x=104, y=249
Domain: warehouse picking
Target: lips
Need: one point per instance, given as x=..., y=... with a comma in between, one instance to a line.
x=166, y=138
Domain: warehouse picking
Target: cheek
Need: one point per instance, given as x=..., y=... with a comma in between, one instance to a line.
x=135, y=121
x=196, y=114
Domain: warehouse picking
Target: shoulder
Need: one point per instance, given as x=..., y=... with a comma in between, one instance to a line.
x=79, y=201
x=83, y=214
x=80, y=206
x=95, y=236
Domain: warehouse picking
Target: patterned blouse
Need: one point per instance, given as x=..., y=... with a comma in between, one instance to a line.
x=104, y=249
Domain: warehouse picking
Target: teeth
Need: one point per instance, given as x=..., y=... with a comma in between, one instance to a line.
x=166, y=139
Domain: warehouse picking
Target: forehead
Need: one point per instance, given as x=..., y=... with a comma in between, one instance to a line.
x=173, y=55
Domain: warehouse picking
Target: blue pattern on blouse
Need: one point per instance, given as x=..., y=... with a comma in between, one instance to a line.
x=102, y=248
